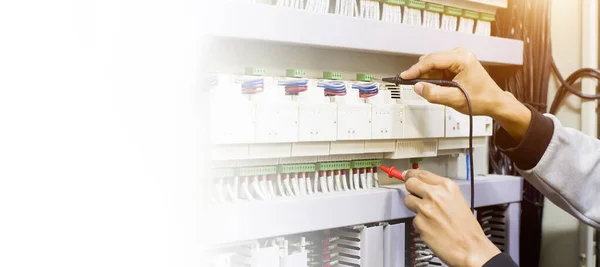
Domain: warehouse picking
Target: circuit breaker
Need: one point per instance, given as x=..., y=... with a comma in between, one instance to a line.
x=387, y=121
x=276, y=122
x=317, y=122
x=354, y=121
x=457, y=124
x=423, y=121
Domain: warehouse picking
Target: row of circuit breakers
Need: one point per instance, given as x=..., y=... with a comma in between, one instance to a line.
x=387, y=244
x=253, y=108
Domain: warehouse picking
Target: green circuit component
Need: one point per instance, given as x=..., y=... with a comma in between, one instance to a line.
x=295, y=73
x=470, y=14
x=259, y=170
x=452, y=11
x=369, y=163
x=296, y=168
x=434, y=8
x=363, y=77
x=223, y=173
x=336, y=165
x=395, y=2
x=332, y=75
x=255, y=71
x=487, y=17
x=415, y=4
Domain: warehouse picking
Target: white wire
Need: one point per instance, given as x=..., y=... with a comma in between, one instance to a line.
x=363, y=180
x=309, y=185
x=338, y=181
x=286, y=183
x=466, y=25
x=280, y=186
x=376, y=179
x=356, y=181
x=316, y=183
x=232, y=192
x=483, y=28
x=323, y=184
x=271, y=188
x=330, y=186
x=264, y=187
x=246, y=189
x=295, y=187
x=345, y=183
x=302, y=184
x=369, y=179
x=449, y=23
x=256, y=188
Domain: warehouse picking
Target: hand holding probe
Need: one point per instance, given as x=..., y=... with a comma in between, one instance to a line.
x=397, y=80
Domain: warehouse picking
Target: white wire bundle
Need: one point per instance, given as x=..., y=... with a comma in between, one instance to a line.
x=431, y=19
x=346, y=7
x=298, y=4
x=391, y=13
x=466, y=25
x=412, y=16
x=369, y=9
x=321, y=6
x=449, y=23
x=483, y=28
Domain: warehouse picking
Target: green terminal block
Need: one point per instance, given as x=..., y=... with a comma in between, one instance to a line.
x=332, y=75
x=452, y=11
x=255, y=71
x=415, y=4
x=470, y=14
x=434, y=8
x=416, y=160
x=295, y=73
x=223, y=173
x=296, y=168
x=487, y=17
x=369, y=163
x=364, y=77
x=331, y=166
x=254, y=171
x=395, y=2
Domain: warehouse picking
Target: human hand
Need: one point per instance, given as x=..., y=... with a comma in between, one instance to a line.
x=445, y=221
x=486, y=97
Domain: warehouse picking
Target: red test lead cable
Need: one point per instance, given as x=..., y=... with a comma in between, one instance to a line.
x=392, y=172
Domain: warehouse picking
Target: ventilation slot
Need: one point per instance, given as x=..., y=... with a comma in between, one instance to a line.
x=493, y=222
x=419, y=254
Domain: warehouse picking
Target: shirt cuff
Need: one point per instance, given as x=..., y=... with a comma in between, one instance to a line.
x=501, y=260
x=527, y=153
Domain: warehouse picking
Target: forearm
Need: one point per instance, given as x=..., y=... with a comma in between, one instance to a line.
x=512, y=115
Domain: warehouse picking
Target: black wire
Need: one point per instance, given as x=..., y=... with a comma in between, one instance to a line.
x=566, y=85
x=398, y=81
x=471, y=156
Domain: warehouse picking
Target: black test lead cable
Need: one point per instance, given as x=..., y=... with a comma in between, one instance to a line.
x=399, y=81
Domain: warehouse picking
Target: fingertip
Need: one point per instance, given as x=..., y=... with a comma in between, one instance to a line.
x=404, y=74
x=419, y=88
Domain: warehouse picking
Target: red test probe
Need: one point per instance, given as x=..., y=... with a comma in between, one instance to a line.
x=392, y=172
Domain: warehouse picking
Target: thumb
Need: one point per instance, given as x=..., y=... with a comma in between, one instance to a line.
x=437, y=94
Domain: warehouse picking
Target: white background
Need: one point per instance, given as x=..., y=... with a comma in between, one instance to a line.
x=99, y=133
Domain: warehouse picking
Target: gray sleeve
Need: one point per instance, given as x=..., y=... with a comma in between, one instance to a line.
x=568, y=173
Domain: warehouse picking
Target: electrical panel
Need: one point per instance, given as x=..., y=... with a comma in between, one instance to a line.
x=302, y=139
